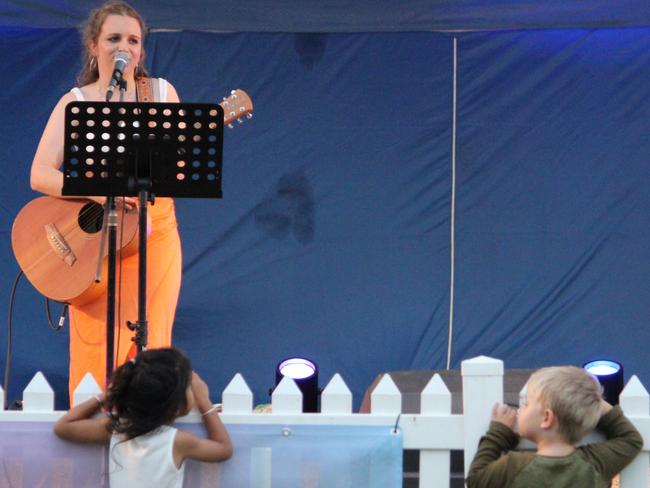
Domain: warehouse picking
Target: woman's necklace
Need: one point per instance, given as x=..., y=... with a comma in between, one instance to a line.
x=128, y=96
x=102, y=92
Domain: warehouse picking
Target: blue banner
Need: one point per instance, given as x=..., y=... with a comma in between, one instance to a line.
x=343, y=15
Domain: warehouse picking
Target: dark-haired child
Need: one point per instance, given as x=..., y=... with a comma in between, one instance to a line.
x=143, y=398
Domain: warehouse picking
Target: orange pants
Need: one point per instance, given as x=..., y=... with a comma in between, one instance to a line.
x=88, y=322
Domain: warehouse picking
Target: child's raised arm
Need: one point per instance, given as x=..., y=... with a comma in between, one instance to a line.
x=77, y=424
x=622, y=445
x=217, y=447
x=489, y=468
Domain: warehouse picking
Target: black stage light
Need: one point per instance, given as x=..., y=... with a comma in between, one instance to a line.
x=610, y=375
x=305, y=373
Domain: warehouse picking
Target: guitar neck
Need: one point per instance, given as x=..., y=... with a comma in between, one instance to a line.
x=236, y=106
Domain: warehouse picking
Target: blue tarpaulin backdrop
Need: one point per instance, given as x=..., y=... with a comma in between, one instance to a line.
x=334, y=236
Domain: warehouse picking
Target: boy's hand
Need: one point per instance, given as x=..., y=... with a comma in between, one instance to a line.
x=604, y=408
x=505, y=415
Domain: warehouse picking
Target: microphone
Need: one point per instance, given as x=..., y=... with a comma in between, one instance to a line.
x=121, y=60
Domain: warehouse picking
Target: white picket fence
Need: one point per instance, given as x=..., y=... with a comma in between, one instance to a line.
x=434, y=432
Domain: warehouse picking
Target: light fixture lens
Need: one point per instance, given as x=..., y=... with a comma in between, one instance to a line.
x=297, y=368
x=602, y=367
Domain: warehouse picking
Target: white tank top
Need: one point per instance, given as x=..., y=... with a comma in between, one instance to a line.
x=162, y=89
x=146, y=461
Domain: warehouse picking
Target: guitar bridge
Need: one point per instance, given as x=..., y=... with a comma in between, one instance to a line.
x=59, y=244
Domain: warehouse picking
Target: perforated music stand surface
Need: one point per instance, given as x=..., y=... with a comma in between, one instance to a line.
x=110, y=146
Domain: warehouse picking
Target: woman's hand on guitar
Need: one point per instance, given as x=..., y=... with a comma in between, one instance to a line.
x=130, y=203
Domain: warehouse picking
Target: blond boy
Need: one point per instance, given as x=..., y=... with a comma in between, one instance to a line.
x=562, y=404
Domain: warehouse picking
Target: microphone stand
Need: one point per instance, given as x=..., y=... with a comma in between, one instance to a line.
x=141, y=326
x=117, y=78
x=122, y=84
x=110, y=220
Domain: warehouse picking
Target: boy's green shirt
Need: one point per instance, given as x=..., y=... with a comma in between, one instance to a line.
x=589, y=466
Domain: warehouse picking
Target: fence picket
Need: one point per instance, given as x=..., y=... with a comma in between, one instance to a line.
x=86, y=389
x=286, y=397
x=237, y=396
x=38, y=395
x=635, y=402
x=435, y=399
x=336, y=397
x=482, y=387
x=386, y=398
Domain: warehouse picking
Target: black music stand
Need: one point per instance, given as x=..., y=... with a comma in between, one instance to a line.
x=144, y=149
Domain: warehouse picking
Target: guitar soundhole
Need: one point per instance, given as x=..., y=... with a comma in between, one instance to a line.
x=91, y=217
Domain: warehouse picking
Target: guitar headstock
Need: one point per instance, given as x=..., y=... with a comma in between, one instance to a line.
x=236, y=106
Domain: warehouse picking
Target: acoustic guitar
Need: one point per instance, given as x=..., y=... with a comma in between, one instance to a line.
x=56, y=241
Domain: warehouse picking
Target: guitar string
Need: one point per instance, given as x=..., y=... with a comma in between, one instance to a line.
x=91, y=212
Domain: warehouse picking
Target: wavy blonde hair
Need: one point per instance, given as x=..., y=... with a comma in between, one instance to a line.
x=90, y=34
x=573, y=395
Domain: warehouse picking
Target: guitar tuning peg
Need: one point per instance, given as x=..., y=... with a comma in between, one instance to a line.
x=224, y=99
x=240, y=121
x=230, y=126
x=249, y=116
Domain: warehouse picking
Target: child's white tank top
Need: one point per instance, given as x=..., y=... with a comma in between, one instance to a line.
x=146, y=461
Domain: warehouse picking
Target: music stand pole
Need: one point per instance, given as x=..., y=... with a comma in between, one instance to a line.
x=141, y=327
x=111, y=222
x=112, y=264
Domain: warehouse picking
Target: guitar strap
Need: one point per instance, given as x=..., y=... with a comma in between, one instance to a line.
x=147, y=90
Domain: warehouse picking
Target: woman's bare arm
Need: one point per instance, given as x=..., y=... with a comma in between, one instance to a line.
x=45, y=174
